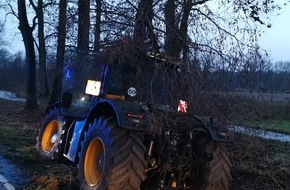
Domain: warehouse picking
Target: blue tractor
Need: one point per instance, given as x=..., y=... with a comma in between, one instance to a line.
x=125, y=122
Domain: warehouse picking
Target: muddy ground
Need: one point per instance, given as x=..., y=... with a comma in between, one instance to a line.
x=257, y=164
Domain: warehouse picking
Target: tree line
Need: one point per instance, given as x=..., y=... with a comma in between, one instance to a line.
x=274, y=78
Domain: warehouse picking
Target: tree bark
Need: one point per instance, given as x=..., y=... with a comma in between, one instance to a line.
x=83, y=25
x=143, y=25
x=43, y=87
x=176, y=36
x=56, y=90
x=171, y=29
x=26, y=31
x=183, y=30
x=98, y=25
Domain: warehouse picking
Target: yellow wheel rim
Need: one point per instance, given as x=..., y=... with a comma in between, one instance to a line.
x=94, y=162
x=47, y=141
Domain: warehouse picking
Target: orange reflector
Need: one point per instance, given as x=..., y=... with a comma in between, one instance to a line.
x=114, y=97
x=173, y=184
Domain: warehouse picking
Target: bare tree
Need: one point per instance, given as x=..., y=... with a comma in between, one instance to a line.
x=143, y=28
x=98, y=25
x=43, y=83
x=26, y=31
x=83, y=25
x=56, y=91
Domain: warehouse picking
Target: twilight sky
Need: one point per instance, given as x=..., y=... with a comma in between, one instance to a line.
x=277, y=38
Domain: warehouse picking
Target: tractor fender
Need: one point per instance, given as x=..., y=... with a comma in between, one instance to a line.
x=108, y=108
x=127, y=114
x=216, y=131
x=57, y=104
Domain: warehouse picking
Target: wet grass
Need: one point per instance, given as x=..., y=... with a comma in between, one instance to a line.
x=18, y=145
x=57, y=177
x=273, y=125
x=14, y=136
x=259, y=164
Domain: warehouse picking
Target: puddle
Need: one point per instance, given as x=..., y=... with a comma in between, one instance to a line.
x=12, y=173
x=10, y=96
x=261, y=133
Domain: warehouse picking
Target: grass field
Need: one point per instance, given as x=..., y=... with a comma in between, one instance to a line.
x=273, y=125
x=269, y=98
x=18, y=141
x=260, y=110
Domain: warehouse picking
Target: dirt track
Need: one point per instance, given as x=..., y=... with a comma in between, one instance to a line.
x=257, y=164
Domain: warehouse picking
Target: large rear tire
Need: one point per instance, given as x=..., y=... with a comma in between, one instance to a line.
x=111, y=158
x=213, y=164
x=50, y=141
x=218, y=169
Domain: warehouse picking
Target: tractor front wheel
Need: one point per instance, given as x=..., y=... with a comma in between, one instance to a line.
x=51, y=135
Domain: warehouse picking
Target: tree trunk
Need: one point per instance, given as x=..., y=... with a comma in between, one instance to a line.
x=26, y=31
x=56, y=91
x=43, y=87
x=98, y=25
x=183, y=29
x=176, y=36
x=83, y=35
x=171, y=29
x=143, y=25
x=83, y=25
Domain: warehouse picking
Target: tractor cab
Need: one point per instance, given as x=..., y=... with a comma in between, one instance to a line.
x=151, y=80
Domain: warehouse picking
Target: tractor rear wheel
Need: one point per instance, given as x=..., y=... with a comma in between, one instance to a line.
x=218, y=169
x=212, y=165
x=111, y=158
x=50, y=141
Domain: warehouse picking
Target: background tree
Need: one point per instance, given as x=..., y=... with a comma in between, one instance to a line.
x=61, y=36
x=143, y=29
x=43, y=83
x=83, y=25
x=26, y=31
x=98, y=12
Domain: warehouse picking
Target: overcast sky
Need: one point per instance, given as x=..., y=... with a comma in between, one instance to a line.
x=276, y=40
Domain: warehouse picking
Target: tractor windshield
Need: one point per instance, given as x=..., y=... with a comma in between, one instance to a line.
x=81, y=79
